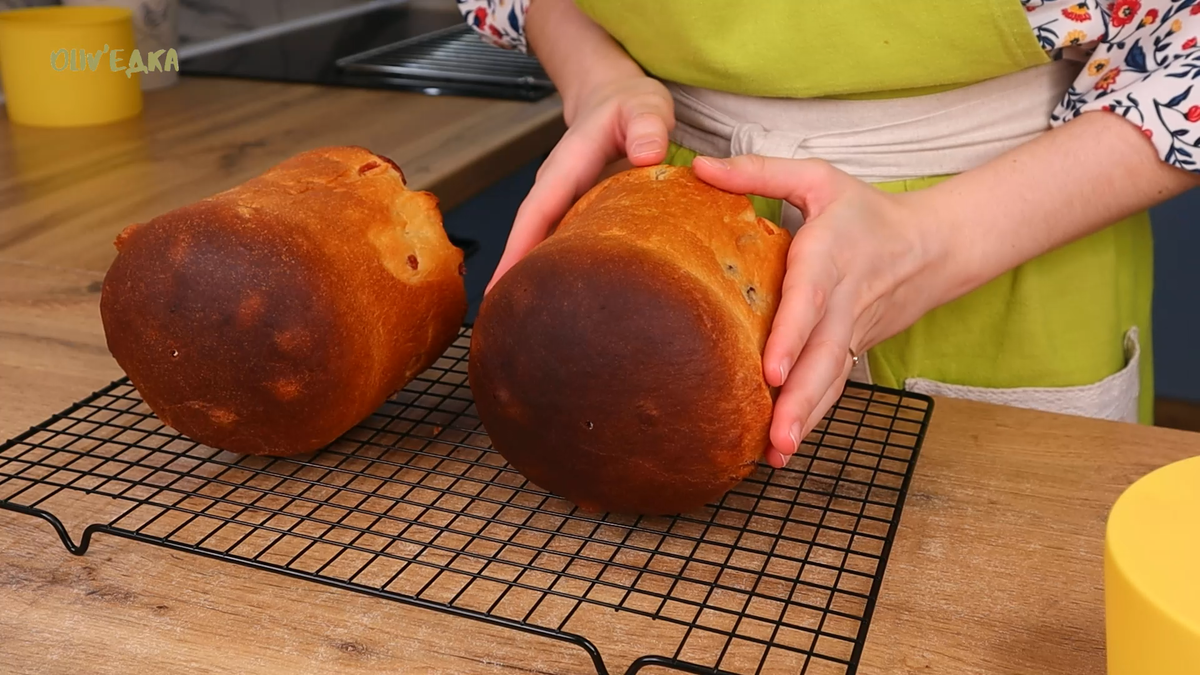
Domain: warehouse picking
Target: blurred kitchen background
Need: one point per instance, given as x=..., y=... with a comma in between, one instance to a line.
x=486, y=218
x=201, y=20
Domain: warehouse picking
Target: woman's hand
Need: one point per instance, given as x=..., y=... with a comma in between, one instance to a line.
x=861, y=269
x=867, y=264
x=612, y=109
x=629, y=117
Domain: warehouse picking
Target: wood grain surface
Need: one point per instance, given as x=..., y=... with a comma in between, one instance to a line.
x=51, y=342
x=996, y=568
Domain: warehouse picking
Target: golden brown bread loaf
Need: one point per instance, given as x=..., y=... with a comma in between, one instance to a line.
x=619, y=364
x=273, y=317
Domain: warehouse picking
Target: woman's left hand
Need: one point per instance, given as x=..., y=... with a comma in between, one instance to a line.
x=868, y=264
x=864, y=267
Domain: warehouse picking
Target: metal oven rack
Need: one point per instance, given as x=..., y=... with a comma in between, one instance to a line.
x=413, y=506
x=456, y=59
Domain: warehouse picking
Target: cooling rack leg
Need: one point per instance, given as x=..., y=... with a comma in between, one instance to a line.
x=670, y=664
x=582, y=642
x=78, y=549
x=85, y=541
x=591, y=650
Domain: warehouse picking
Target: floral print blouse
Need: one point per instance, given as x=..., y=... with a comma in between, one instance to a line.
x=1142, y=60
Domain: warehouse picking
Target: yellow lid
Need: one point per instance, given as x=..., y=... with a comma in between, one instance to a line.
x=1152, y=574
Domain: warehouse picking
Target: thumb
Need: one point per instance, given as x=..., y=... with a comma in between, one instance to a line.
x=808, y=184
x=644, y=123
x=532, y=224
x=567, y=173
x=507, y=260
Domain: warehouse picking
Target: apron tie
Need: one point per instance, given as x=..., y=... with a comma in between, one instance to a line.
x=751, y=138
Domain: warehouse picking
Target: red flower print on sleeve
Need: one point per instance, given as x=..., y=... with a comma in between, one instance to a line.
x=498, y=22
x=1124, y=12
x=1142, y=63
x=1078, y=12
x=1107, y=80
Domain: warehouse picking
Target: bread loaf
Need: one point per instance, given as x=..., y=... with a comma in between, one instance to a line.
x=619, y=364
x=273, y=317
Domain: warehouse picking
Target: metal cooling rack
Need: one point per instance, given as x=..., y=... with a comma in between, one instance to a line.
x=413, y=506
x=455, y=55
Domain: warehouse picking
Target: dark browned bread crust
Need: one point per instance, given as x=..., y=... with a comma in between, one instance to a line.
x=619, y=364
x=271, y=318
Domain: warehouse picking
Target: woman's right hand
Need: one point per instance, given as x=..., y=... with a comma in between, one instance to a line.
x=627, y=117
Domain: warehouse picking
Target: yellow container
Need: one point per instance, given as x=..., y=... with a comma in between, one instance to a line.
x=66, y=66
x=1152, y=574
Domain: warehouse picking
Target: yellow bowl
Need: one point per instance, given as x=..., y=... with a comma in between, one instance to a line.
x=66, y=66
x=1152, y=574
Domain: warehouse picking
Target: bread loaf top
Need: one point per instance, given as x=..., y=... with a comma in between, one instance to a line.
x=332, y=193
x=715, y=236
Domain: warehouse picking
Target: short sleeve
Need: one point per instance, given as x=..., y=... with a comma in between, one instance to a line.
x=500, y=22
x=1144, y=67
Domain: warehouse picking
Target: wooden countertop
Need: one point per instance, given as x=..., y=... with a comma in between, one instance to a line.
x=996, y=567
x=65, y=194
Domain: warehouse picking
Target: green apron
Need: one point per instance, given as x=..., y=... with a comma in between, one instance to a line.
x=1056, y=321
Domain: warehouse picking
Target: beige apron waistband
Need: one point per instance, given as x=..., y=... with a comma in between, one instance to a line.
x=878, y=140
